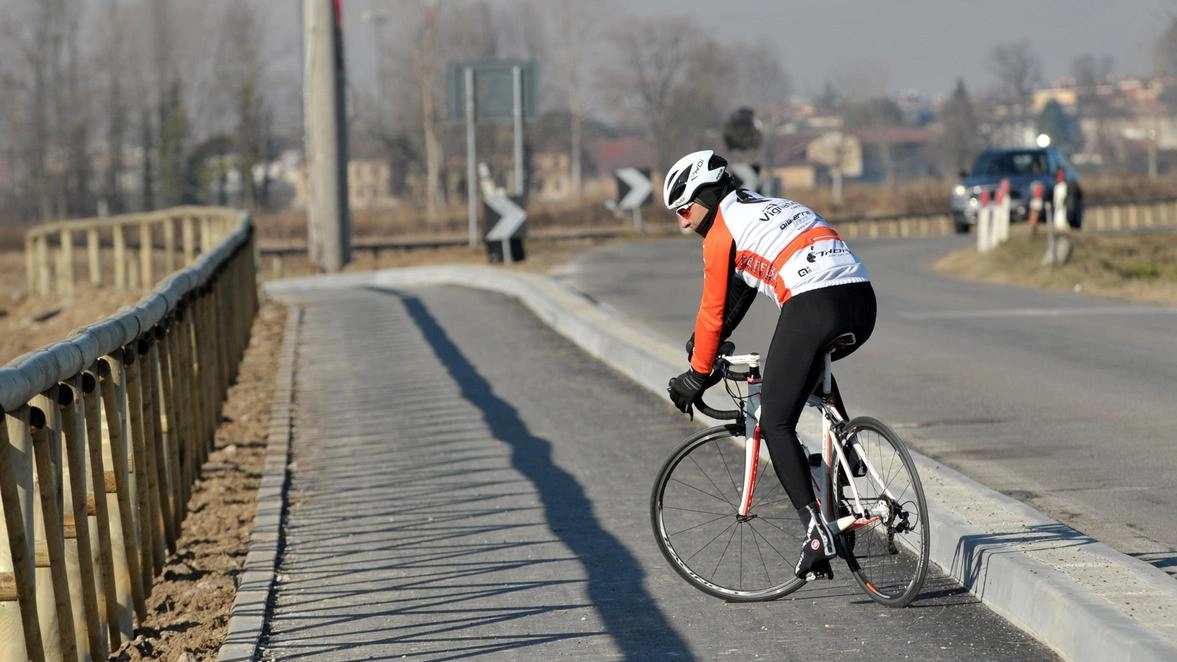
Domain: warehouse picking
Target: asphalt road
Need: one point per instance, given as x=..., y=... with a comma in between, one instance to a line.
x=1061, y=400
x=466, y=484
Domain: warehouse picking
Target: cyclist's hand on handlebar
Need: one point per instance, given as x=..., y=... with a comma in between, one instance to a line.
x=726, y=347
x=685, y=388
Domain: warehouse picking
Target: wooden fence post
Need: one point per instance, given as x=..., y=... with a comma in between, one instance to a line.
x=113, y=373
x=65, y=272
x=145, y=275
x=119, y=240
x=93, y=257
x=169, y=244
x=116, y=610
x=78, y=502
x=46, y=461
x=157, y=452
x=17, y=556
x=140, y=470
x=44, y=274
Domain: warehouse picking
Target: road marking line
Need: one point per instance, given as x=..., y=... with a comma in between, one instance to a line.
x=1036, y=312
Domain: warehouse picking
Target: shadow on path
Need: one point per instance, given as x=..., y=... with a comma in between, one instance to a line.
x=615, y=579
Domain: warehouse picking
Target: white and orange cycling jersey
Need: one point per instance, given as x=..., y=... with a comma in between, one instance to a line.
x=780, y=247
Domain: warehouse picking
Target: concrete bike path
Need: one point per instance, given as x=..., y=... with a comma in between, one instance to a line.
x=465, y=483
x=1074, y=594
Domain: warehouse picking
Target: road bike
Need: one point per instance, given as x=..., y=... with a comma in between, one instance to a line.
x=725, y=524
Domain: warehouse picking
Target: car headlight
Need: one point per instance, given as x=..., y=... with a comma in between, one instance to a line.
x=959, y=191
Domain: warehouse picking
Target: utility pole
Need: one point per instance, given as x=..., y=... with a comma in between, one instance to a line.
x=328, y=222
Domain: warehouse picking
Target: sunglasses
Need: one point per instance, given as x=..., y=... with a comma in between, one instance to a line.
x=685, y=210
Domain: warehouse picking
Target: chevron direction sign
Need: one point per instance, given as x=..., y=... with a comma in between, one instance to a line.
x=633, y=187
x=505, y=218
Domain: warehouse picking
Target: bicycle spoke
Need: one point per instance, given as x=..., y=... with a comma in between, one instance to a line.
x=696, y=526
x=699, y=531
x=717, y=497
x=890, y=564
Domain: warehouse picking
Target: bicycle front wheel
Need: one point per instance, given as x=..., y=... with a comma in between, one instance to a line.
x=888, y=555
x=694, y=513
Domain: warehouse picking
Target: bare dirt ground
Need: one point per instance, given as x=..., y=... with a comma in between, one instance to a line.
x=190, y=602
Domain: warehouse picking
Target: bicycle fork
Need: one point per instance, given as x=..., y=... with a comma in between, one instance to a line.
x=751, y=444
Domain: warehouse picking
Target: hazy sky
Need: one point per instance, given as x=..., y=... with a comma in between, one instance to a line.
x=927, y=44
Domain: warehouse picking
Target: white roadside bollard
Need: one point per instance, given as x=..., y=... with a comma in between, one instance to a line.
x=1035, y=207
x=1001, y=218
x=984, y=224
x=1058, y=242
x=1060, y=203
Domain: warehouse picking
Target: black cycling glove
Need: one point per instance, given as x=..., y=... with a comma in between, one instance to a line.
x=685, y=388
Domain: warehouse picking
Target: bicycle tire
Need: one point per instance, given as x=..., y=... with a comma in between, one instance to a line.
x=693, y=512
x=889, y=557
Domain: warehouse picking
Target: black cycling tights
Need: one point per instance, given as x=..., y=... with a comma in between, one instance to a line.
x=808, y=322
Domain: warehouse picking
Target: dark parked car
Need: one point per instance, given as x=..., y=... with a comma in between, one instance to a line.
x=1022, y=167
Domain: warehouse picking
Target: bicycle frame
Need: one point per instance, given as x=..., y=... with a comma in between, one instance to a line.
x=821, y=475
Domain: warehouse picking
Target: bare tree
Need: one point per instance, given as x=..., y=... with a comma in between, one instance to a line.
x=1165, y=48
x=960, y=140
x=1090, y=72
x=115, y=64
x=672, y=87
x=1018, y=69
x=244, y=81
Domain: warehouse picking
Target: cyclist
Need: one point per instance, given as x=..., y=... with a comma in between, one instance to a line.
x=787, y=251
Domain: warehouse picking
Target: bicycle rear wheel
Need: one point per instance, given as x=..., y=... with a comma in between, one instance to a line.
x=889, y=555
x=693, y=511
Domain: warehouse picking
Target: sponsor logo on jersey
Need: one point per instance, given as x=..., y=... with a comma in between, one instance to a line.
x=756, y=266
x=831, y=252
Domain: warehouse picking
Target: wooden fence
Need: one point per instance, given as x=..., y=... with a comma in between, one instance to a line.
x=104, y=434
x=126, y=252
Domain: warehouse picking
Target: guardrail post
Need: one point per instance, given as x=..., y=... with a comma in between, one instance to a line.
x=206, y=233
x=169, y=244
x=145, y=276
x=47, y=464
x=93, y=259
x=158, y=454
x=149, y=416
x=188, y=239
x=17, y=556
x=119, y=240
x=31, y=263
x=43, y=272
x=112, y=371
x=79, y=506
x=65, y=273
x=140, y=470
x=114, y=607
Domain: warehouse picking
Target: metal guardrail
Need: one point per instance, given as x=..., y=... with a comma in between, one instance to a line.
x=104, y=434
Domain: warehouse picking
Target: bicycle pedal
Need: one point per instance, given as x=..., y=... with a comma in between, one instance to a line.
x=815, y=459
x=812, y=576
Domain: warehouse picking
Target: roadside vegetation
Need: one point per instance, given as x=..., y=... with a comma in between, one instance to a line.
x=1136, y=267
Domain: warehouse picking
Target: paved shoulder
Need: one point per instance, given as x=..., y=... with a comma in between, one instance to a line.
x=469, y=484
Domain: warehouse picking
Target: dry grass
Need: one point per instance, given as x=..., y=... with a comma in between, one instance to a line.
x=1138, y=267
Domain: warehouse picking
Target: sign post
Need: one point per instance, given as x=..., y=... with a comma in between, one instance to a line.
x=488, y=92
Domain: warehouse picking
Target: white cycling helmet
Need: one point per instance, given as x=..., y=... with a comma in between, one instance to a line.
x=691, y=172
